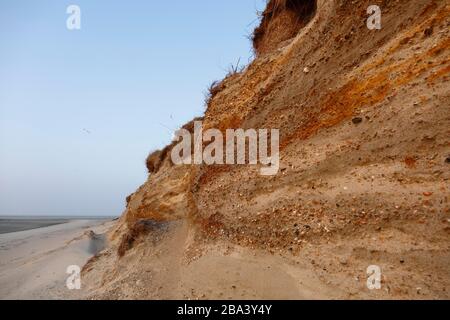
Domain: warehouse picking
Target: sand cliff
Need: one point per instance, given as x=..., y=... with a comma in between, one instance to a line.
x=364, y=118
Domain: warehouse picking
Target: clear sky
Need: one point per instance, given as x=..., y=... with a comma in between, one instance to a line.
x=81, y=109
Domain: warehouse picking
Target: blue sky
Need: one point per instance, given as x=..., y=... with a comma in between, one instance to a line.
x=80, y=110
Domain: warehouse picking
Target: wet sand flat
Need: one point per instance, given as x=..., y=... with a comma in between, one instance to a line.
x=16, y=225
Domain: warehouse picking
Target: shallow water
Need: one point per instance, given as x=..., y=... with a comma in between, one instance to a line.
x=9, y=224
x=16, y=225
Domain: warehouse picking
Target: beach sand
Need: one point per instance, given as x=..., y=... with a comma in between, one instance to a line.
x=33, y=263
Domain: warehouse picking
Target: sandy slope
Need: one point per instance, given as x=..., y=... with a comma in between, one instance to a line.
x=175, y=265
x=33, y=263
x=160, y=269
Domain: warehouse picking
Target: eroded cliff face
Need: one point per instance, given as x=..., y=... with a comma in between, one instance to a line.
x=364, y=179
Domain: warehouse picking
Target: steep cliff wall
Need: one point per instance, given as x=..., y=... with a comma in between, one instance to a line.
x=364, y=179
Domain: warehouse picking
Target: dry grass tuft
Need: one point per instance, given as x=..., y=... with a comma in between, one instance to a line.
x=214, y=88
x=128, y=199
x=280, y=21
x=190, y=125
x=154, y=161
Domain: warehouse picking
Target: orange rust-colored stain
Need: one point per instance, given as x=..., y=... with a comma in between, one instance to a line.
x=438, y=74
x=438, y=49
x=231, y=122
x=148, y=212
x=429, y=8
x=423, y=99
x=211, y=225
x=410, y=162
x=209, y=172
x=342, y=103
